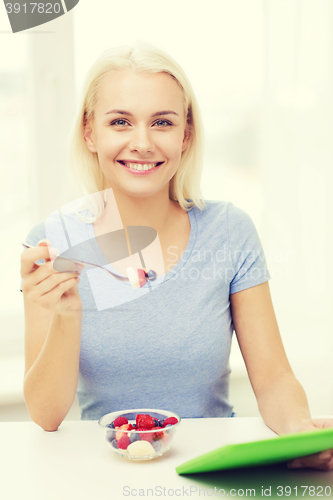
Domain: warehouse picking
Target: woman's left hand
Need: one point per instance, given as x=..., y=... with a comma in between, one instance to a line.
x=322, y=460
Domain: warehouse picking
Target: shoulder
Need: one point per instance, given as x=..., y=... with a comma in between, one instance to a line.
x=226, y=219
x=226, y=211
x=242, y=232
x=238, y=219
x=212, y=209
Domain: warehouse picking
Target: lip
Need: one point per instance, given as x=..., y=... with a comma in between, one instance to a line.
x=139, y=172
x=139, y=161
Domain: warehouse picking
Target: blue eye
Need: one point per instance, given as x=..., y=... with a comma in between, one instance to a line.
x=163, y=123
x=121, y=123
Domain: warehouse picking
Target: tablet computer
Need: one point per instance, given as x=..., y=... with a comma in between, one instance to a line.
x=256, y=453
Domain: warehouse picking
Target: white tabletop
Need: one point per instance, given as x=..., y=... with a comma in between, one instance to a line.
x=77, y=463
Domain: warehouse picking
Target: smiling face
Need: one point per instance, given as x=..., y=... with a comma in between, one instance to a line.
x=139, y=131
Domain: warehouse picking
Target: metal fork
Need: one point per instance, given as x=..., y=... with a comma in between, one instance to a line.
x=150, y=275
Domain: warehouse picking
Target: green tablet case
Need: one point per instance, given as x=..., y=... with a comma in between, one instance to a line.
x=256, y=453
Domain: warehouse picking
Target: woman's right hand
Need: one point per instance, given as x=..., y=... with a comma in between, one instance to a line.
x=42, y=284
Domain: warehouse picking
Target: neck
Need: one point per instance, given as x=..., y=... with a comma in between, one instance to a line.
x=155, y=211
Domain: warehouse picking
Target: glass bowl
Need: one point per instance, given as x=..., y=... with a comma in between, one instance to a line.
x=142, y=444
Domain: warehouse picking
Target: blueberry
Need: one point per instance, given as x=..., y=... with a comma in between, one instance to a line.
x=114, y=444
x=110, y=435
x=134, y=436
x=151, y=275
x=157, y=445
x=111, y=426
x=157, y=424
x=161, y=422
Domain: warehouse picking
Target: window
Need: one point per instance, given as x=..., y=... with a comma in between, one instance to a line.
x=16, y=200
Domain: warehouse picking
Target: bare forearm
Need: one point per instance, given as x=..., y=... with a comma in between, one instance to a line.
x=50, y=384
x=283, y=403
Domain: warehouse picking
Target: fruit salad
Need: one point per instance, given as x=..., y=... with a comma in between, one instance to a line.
x=145, y=437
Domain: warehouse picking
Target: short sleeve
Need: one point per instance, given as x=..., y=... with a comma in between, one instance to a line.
x=247, y=255
x=36, y=234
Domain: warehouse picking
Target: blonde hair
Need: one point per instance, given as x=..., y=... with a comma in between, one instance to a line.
x=141, y=57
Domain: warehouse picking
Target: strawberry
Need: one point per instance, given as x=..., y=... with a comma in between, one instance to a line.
x=144, y=421
x=119, y=435
x=125, y=427
x=142, y=277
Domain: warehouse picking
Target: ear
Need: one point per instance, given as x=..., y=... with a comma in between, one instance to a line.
x=88, y=137
x=186, y=139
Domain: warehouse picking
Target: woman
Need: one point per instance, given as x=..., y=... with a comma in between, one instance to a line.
x=137, y=145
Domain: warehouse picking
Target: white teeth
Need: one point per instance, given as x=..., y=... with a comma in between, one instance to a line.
x=139, y=166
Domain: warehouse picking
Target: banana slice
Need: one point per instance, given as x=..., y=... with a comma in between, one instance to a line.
x=133, y=277
x=140, y=448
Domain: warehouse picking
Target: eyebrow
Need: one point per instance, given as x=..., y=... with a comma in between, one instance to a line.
x=121, y=112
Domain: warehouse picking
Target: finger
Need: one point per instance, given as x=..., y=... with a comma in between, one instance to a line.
x=294, y=464
x=54, y=295
x=329, y=464
x=50, y=283
x=31, y=255
x=53, y=252
x=46, y=270
x=322, y=461
x=30, y=285
x=322, y=423
x=326, y=455
x=41, y=272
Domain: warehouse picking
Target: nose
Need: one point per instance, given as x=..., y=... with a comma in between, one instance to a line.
x=141, y=140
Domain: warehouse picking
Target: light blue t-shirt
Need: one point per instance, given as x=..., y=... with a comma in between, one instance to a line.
x=165, y=345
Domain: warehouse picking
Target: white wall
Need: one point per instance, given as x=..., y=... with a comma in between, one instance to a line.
x=296, y=165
